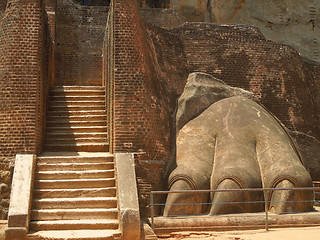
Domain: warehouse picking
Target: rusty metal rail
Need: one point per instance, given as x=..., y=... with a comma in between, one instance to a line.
x=316, y=191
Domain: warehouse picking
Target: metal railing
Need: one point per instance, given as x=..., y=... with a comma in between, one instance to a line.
x=266, y=191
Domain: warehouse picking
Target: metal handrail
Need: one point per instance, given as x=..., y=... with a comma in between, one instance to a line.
x=264, y=190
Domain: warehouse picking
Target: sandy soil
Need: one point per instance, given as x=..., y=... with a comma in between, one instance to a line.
x=273, y=234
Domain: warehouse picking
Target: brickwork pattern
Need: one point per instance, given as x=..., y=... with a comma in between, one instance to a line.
x=23, y=76
x=141, y=119
x=240, y=56
x=80, y=31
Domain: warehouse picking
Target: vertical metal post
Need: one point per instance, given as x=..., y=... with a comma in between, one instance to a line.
x=266, y=208
x=152, y=210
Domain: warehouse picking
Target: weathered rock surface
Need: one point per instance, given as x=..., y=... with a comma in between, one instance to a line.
x=236, y=143
x=309, y=148
x=202, y=90
x=292, y=22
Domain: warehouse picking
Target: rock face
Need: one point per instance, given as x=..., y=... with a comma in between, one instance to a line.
x=292, y=22
x=309, y=149
x=202, y=90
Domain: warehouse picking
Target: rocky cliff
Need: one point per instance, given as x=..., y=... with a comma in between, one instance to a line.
x=292, y=22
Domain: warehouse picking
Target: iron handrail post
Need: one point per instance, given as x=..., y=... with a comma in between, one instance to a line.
x=266, y=208
x=152, y=210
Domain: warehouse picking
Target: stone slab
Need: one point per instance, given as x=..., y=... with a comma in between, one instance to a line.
x=20, y=202
x=127, y=196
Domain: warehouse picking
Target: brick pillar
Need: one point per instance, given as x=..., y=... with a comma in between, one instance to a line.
x=20, y=77
x=140, y=122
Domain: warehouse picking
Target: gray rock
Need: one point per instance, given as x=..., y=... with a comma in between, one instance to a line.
x=292, y=22
x=202, y=90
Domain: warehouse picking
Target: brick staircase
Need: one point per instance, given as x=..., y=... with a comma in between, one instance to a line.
x=76, y=119
x=74, y=193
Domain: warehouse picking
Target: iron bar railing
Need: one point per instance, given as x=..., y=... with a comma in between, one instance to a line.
x=316, y=191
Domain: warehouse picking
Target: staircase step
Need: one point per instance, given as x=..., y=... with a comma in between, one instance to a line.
x=74, y=224
x=76, y=107
x=58, y=92
x=84, y=117
x=75, y=193
x=63, y=113
x=75, y=166
x=70, y=134
x=74, y=159
x=69, y=203
x=73, y=140
x=77, y=98
x=80, y=147
x=71, y=87
x=70, y=103
x=68, y=123
x=76, y=235
x=74, y=183
x=51, y=175
x=86, y=129
x=74, y=214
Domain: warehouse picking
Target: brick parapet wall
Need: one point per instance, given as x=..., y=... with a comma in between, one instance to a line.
x=79, y=40
x=139, y=103
x=23, y=77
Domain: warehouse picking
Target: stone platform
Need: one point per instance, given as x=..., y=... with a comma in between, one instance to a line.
x=228, y=222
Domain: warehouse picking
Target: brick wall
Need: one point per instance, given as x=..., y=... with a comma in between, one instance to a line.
x=23, y=77
x=79, y=40
x=139, y=104
x=241, y=57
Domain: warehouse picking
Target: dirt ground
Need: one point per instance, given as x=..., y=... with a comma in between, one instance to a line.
x=307, y=233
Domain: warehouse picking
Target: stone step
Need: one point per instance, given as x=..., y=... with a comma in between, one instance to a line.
x=94, y=117
x=76, y=235
x=81, y=113
x=94, y=158
x=72, y=140
x=73, y=87
x=74, y=224
x=85, y=102
x=70, y=134
x=84, y=92
x=74, y=183
x=75, y=166
x=77, y=107
x=77, y=98
x=75, y=193
x=73, y=214
x=80, y=147
x=68, y=123
x=51, y=175
x=72, y=203
x=85, y=129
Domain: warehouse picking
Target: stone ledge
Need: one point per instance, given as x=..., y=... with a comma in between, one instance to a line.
x=127, y=196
